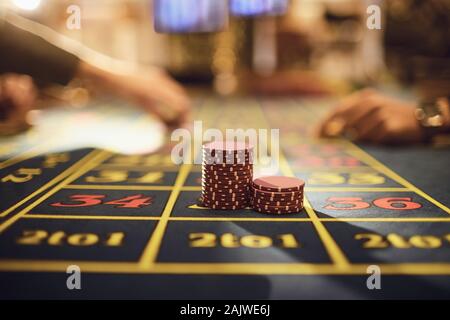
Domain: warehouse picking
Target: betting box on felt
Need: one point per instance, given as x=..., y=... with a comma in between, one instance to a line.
x=133, y=226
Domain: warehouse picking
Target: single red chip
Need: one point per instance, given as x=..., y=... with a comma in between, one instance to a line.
x=222, y=189
x=235, y=166
x=278, y=210
x=227, y=146
x=218, y=186
x=240, y=154
x=223, y=207
x=226, y=183
x=277, y=203
x=226, y=198
x=226, y=168
x=222, y=203
x=220, y=173
x=259, y=194
x=207, y=176
x=224, y=172
x=279, y=184
x=209, y=190
x=207, y=160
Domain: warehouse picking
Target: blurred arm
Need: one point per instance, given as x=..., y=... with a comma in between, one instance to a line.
x=49, y=57
x=369, y=116
x=23, y=52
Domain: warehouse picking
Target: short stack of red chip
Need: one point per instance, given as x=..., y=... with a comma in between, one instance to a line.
x=227, y=173
x=277, y=195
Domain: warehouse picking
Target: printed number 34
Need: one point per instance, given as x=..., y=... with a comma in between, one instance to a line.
x=82, y=200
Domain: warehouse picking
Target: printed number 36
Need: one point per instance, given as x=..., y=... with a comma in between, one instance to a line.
x=383, y=203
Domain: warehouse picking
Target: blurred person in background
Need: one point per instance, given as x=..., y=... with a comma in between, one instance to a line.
x=33, y=57
x=416, y=40
x=333, y=43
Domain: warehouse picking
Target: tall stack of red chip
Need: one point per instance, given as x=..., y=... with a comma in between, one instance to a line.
x=227, y=173
x=277, y=195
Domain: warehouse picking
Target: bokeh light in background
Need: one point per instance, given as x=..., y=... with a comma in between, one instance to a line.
x=258, y=7
x=179, y=16
x=27, y=4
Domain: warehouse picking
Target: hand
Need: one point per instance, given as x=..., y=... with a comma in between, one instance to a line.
x=371, y=117
x=151, y=88
x=17, y=96
x=156, y=92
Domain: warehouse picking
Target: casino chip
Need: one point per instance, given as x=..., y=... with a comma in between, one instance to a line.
x=227, y=174
x=278, y=209
x=228, y=156
x=277, y=195
x=279, y=184
x=227, y=182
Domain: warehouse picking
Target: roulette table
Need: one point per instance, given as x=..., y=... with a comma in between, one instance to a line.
x=129, y=218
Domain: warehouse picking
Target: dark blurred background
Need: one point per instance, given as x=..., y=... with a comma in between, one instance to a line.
x=328, y=37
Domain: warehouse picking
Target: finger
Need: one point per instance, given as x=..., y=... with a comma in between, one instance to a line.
x=179, y=103
x=369, y=131
x=167, y=81
x=380, y=134
x=27, y=93
x=13, y=97
x=180, y=119
x=20, y=90
x=334, y=123
x=362, y=120
x=349, y=110
x=332, y=128
x=362, y=113
x=175, y=86
x=165, y=110
x=354, y=99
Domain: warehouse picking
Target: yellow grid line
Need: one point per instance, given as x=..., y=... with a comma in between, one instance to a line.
x=335, y=253
x=364, y=156
x=230, y=219
x=46, y=186
x=80, y=168
x=240, y=268
x=28, y=154
x=332, y=248
x=150, y=252
x=333, y=169
x=138, y=167
x=350, y=189
x=191, y=188
x=354, y=150
x=118, y=187
x=199, y=188
x=298, y=268
x=149, y=255
x=225, y=268
x=86, y=217
x=327, y=189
